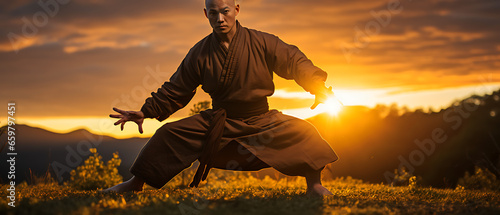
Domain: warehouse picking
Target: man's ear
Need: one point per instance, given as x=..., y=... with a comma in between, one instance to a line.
x=205, y=11
x=237, y=8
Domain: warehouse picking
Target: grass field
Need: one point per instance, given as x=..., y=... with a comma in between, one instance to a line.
x=253, y=196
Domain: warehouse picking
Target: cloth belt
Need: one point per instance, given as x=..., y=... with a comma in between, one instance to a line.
x=243, y=110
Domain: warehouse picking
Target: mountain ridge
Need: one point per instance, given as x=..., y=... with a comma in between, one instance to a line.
x=371, y=143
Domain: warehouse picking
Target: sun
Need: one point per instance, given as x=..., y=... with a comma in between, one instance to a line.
x=332, y=106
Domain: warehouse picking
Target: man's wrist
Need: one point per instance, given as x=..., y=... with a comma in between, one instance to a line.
x=140, y=114
x=146, y=113
x=322, y=90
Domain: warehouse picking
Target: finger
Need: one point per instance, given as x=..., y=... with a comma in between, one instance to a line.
x=140, y=128
x=119, y=121
x=118, y=110
x=123, y=124
x=115, y=115
x=314, y=105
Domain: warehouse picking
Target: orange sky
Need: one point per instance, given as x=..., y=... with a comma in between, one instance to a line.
x=67, y=67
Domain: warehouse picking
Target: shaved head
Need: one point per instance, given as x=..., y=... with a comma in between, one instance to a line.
x=222, y=16
x=207, y=2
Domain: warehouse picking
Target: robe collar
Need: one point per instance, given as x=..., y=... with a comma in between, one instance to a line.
x=219, y=40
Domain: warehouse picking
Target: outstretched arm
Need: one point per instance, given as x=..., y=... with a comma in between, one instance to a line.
x=125, y=116
x=177, y=92
x=290, y=63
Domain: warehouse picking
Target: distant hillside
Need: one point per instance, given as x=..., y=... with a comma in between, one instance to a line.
x=372, y=143
x=37, y=148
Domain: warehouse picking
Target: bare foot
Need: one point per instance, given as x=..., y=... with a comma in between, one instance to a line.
x=318, y=190
x=134, y=184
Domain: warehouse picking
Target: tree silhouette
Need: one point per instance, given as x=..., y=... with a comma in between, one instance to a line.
x=199, y=107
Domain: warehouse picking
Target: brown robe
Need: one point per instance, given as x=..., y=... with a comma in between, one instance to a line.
x=239, y=79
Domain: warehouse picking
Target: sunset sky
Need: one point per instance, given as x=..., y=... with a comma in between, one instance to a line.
x=66, y=64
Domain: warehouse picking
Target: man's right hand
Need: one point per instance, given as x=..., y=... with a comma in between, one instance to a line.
x=125, y=116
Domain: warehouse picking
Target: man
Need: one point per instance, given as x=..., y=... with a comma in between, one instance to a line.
x=235, y=66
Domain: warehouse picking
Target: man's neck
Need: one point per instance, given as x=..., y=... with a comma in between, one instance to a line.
x=227, y=38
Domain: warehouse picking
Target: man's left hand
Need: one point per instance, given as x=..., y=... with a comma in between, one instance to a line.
x=321, y=97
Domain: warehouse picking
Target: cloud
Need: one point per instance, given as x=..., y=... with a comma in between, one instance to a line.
x=98, y=50
x=80, y=25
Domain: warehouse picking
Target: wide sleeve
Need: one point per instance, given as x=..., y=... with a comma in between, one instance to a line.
x=175, y=93
x=289, y=62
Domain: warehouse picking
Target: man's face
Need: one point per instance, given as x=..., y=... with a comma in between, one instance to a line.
x=222, y=15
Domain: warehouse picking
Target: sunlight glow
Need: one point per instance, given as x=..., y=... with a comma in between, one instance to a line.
x=333, y=106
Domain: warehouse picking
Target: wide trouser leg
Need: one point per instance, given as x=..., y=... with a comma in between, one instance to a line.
x=288, y=144
x=234, y=156
x=174, y=147
x=291, y=145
